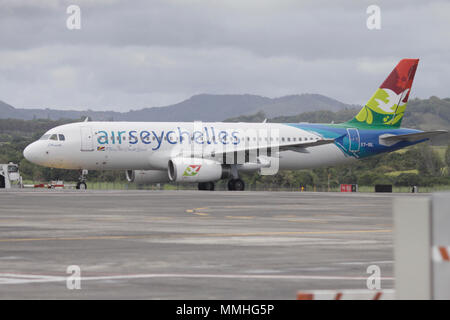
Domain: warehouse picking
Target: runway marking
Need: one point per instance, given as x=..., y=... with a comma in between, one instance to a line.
x=195, y=211
x=285, y=216
x=240, y=217
x=12, y=278
x=109, y=219
x=366, y=262
x=157, y=218
x=307, y=220
x=201, y=213
x=250, y=234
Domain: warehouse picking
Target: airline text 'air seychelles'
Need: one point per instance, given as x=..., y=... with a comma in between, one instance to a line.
x=204, y=153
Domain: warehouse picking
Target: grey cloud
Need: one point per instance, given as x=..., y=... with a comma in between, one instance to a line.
x=132, y=54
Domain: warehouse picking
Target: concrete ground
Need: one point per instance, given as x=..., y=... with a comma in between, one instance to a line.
x=191, y=244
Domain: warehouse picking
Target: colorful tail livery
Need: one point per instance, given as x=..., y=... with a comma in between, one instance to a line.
x=387, y=106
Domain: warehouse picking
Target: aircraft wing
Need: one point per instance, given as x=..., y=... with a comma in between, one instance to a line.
x=305, y=144
x=294, y=146
x=411, y=137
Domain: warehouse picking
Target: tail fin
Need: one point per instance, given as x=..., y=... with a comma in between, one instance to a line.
x=388, y=104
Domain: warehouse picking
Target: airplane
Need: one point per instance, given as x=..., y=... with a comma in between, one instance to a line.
x=203, y=153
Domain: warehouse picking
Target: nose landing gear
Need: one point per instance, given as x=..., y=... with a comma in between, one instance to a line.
x=81, y=184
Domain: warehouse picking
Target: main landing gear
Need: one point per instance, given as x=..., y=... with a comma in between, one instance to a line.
x=233, y=185
x=81, y=184
x=236, y=185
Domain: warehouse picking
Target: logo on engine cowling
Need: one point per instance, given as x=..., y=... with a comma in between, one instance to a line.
x=191, y=170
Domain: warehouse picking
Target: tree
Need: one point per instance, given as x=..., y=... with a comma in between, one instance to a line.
x=429, y=161
x=407, y=179
x=447, y=156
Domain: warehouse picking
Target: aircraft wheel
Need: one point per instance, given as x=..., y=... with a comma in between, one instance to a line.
x=81, y=186
x=236, y=185
x=239, y=185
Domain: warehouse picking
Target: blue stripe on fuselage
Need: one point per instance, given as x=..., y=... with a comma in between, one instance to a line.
x=369, y=138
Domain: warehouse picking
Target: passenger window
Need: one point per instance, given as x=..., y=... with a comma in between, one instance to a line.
x=289, y=139
x=282, y=139
x=54, y=137
x=61, y=137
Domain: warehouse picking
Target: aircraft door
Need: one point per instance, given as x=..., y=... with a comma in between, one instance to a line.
x=353, y=139
x=87, y=140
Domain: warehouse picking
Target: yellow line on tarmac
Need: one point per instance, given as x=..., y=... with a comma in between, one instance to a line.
x=250, y=234
x=194, y=211
x=200, y=213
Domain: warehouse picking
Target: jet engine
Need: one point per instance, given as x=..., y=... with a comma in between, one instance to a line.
x=196, y=170
x=147, y=176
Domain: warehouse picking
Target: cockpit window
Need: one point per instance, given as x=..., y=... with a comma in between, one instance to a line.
x=61, y=137
x=54, y=137
x=44, y=137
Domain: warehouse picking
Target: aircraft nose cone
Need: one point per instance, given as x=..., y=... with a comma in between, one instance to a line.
x=26, y=152
x=29, y=152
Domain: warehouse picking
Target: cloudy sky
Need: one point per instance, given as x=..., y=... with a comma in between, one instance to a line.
x=145, y=53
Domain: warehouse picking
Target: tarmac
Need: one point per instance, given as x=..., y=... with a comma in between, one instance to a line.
x=190, y=244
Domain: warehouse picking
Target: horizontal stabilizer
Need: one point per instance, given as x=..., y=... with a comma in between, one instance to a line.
x=410, y=137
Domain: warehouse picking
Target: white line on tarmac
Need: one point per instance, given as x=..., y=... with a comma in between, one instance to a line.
x=366, y=262
x=11, y=278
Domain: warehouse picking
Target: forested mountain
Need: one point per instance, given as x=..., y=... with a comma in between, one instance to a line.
x=203, y=107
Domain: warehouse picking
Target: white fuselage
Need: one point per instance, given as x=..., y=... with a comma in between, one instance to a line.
x=150, y=145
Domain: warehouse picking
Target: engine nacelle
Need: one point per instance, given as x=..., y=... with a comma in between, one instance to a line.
x=147, y=176
x=196, y=170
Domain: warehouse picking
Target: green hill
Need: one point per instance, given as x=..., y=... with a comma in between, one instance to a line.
x=423, y=114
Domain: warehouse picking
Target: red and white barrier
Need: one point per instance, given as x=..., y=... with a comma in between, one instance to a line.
x=387, y=294
x=441, y=254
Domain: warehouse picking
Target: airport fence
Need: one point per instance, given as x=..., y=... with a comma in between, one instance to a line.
x=222, y=186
